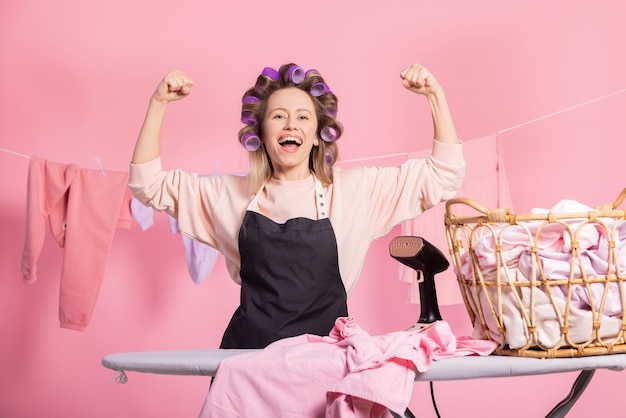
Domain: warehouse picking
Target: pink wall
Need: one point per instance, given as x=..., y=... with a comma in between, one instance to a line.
x=75, y=78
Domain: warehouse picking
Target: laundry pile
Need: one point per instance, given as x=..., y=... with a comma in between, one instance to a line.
x=545, y=267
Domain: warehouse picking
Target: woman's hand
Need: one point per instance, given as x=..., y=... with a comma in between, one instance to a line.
x=418, y=79
x=174, y=86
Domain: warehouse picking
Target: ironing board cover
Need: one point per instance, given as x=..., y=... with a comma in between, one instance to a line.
x=204, y=362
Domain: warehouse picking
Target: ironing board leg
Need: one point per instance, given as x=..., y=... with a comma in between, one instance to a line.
x=579, y=386
x=407, y=414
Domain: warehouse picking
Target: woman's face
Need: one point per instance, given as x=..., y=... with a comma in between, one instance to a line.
x=290, y=132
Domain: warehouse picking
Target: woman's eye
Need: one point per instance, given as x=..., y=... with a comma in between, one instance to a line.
x=305, y=117
x=279, y=116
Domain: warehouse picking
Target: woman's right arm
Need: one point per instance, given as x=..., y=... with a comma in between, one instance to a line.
x=174, y=86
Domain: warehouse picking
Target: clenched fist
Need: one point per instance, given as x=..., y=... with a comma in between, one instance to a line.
x=418, y=79
x=174, y=86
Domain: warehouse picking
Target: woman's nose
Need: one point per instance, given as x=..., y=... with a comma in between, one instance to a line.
x=290, y=123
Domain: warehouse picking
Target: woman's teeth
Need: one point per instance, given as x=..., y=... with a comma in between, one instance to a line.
x=290, y=141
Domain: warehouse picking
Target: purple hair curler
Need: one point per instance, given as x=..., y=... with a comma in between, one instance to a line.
x=329, y=112
x=248, y=118
x=271, y=73
x=250, y=99
x=318, y=89
x=329, y=158
x=296, y=74
x=328, y=134
x=251, y=141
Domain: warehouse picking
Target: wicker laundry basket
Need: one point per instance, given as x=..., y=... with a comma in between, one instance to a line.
x=545, y=284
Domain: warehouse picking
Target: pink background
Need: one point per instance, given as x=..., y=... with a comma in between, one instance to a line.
x=75, y=78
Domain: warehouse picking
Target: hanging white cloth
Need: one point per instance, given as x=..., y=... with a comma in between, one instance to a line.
x=486, y=183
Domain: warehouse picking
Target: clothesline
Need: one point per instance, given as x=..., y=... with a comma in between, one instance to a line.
x=540, y=118
x=400, y=154
x=19, y=154
x=558, y=112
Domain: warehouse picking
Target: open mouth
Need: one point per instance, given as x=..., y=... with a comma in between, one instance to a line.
x=290, y=142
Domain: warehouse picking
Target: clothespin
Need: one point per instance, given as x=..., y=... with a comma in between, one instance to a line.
x=99, y=162
x=217, y=167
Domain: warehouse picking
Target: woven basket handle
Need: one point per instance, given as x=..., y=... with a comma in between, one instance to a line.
x=465, y=201
x=493, y=215
x=614, y=205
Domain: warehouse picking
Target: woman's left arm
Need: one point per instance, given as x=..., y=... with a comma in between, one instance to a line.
x=418, y=79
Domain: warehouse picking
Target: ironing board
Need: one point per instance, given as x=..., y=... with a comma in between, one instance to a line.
x=204, y=362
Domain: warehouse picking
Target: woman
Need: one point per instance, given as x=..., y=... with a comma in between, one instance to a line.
x=295, y=231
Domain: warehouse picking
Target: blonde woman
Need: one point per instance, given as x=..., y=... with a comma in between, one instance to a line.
x=295, y=231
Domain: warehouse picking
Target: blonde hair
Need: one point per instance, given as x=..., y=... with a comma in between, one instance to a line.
x=253, y=110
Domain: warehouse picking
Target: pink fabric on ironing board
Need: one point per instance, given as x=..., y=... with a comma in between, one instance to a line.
x=348, y=373
x=83, y=209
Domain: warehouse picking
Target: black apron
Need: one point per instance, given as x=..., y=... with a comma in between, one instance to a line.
x=290, y=280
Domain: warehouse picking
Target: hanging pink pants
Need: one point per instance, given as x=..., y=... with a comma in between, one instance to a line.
x=83, y=208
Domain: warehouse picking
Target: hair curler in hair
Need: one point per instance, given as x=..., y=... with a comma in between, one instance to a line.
x=248, y=118
x=329, y=158
x=251, y=141
x=296, y=74
x=330, y=112
x=318, y=89
x=328, y=134
x=250, y=99
x=271, y=73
